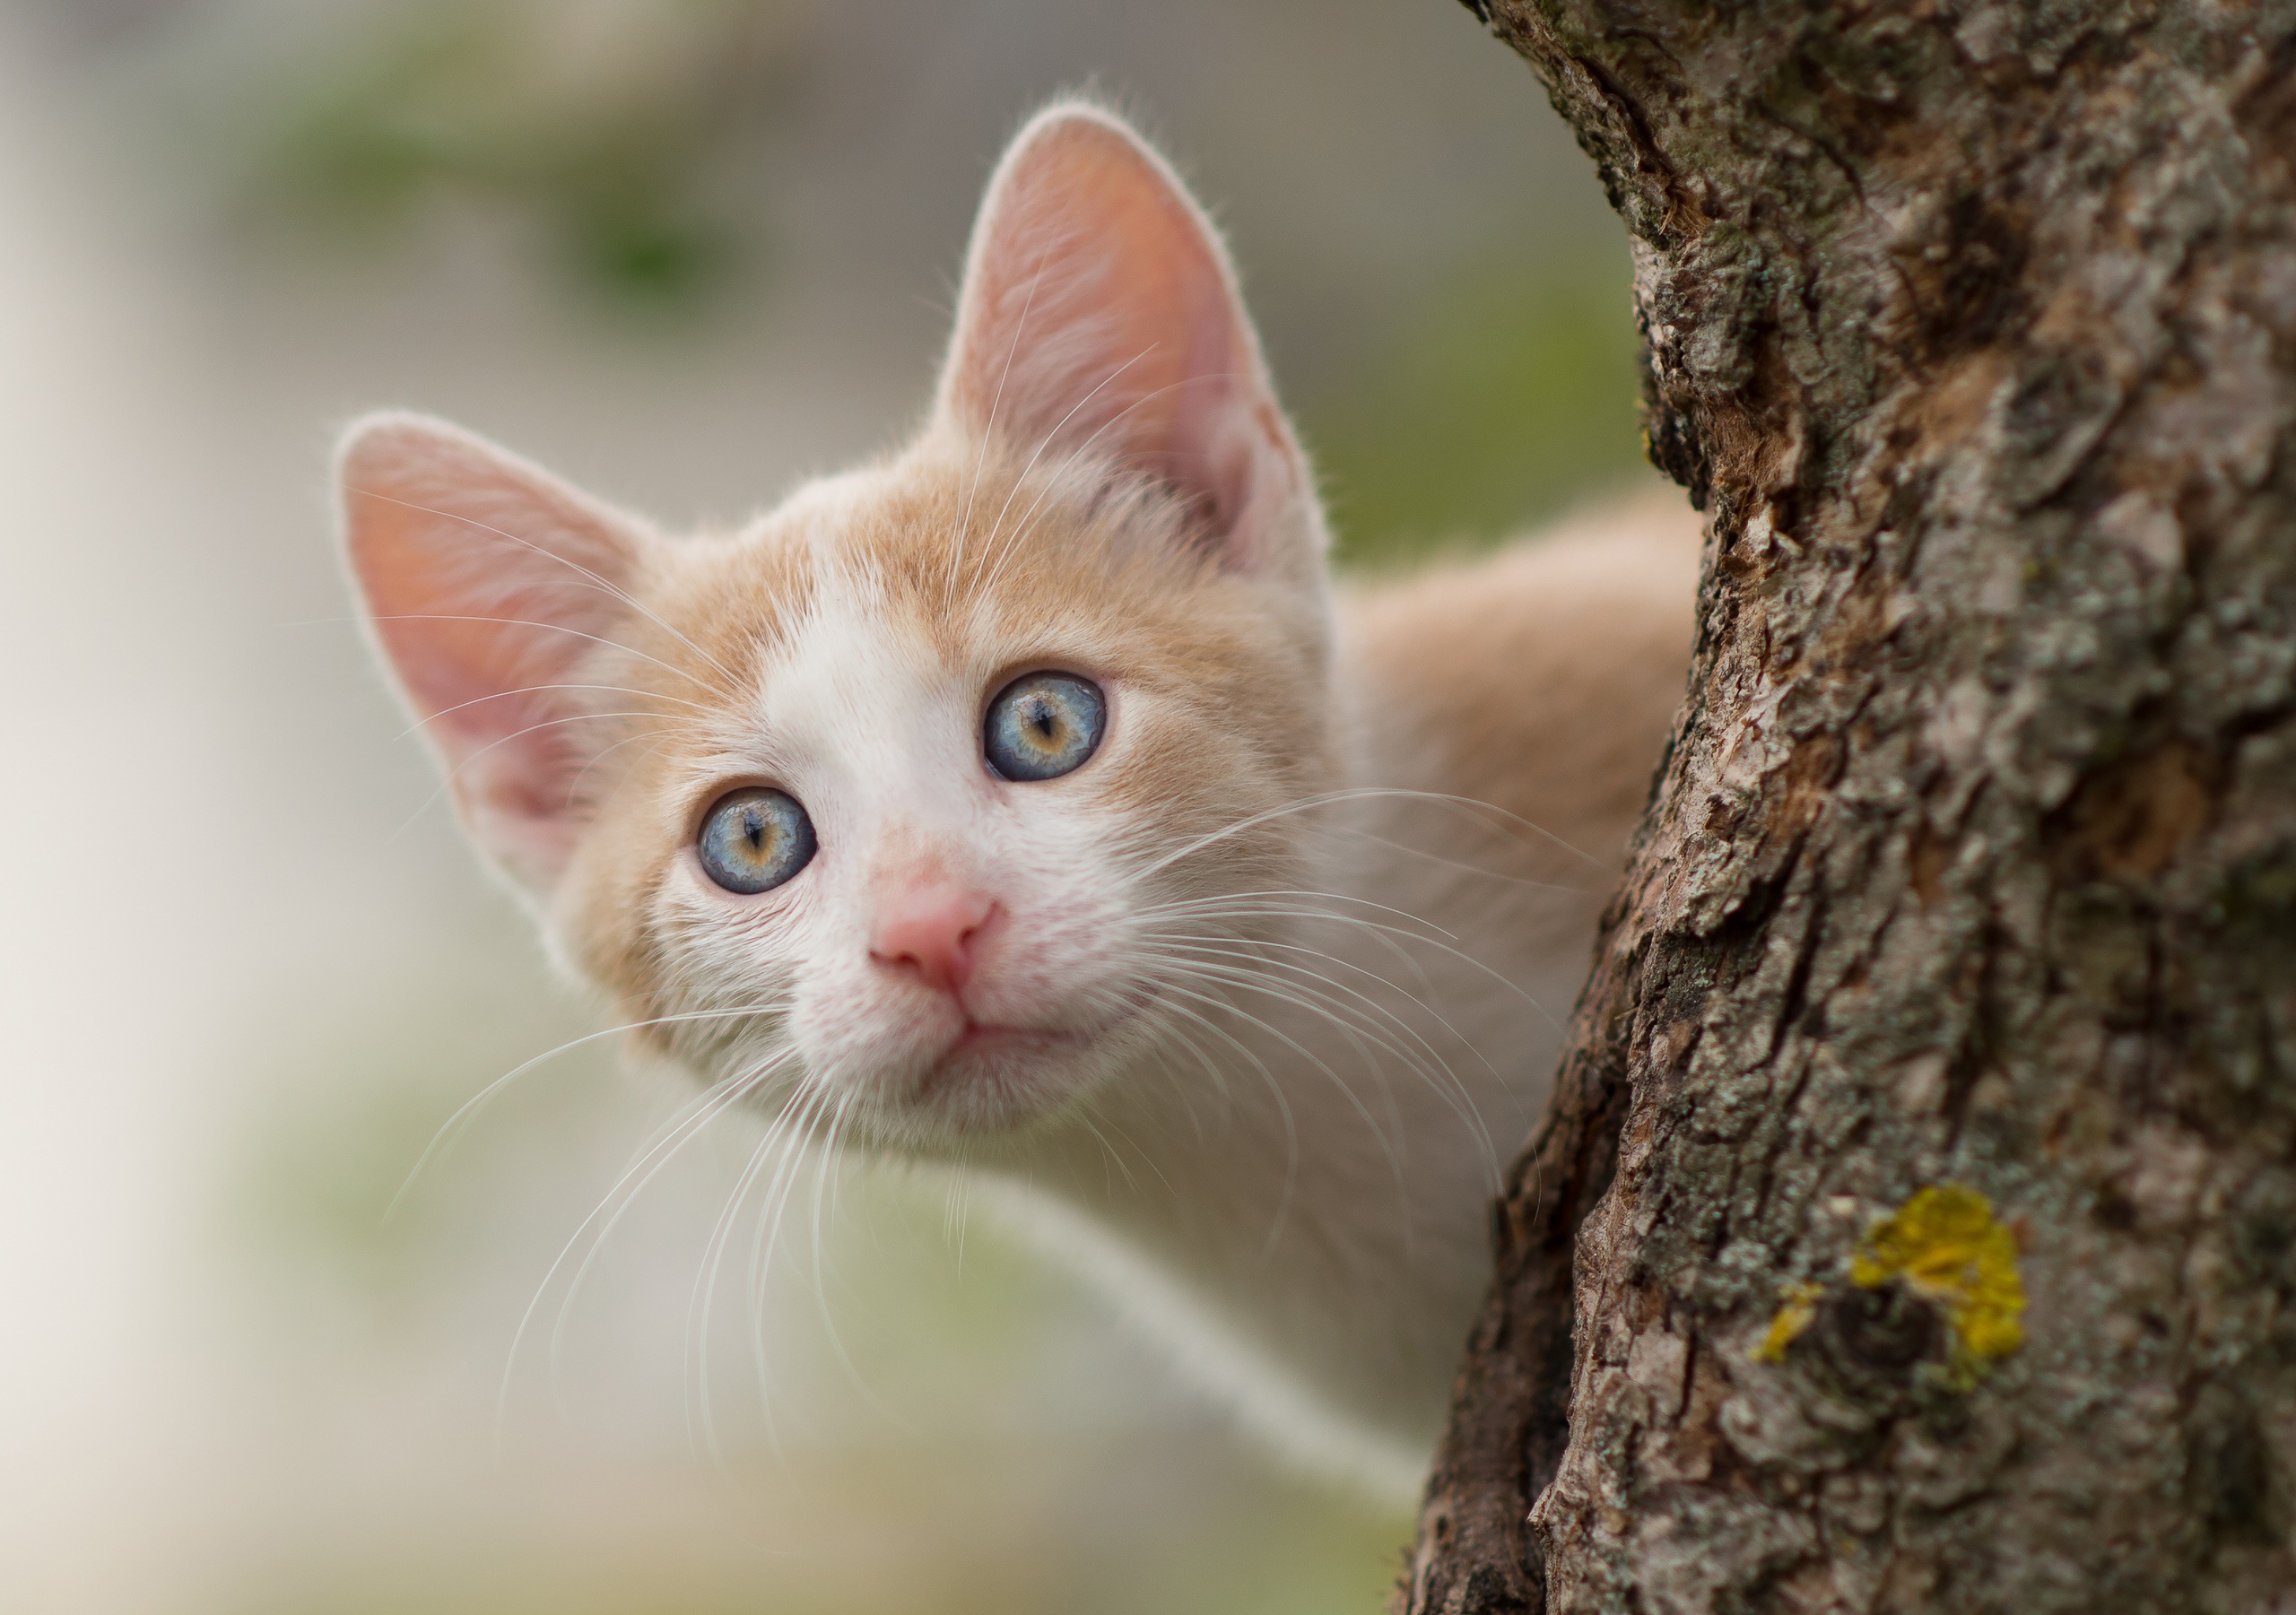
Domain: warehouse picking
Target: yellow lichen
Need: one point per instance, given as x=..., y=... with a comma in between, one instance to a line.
x=1945, y=1245
x=1801, y=1307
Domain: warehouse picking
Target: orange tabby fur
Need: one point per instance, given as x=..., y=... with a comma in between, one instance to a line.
x=1270, y=985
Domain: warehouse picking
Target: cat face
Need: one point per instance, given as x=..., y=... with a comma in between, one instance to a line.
x=886, y=808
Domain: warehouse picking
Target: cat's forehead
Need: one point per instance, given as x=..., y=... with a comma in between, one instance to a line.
x=958, y=562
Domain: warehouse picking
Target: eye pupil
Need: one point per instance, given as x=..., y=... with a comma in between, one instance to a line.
x=752, y=840
x=1042, y=726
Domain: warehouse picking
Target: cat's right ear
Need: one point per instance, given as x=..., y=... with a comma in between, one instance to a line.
x=489, y=586
x=1100, y=321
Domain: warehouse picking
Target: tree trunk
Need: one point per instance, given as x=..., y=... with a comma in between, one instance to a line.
x=1916, y=1226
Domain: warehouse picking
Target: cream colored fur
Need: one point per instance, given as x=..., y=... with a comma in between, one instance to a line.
x=1279, y=972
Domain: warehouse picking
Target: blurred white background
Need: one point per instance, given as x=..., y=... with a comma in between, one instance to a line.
x=683, y=251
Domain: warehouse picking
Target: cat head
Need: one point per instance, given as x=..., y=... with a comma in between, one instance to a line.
x=886, y=805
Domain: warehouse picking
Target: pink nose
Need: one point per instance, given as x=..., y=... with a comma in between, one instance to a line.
x=934, y=928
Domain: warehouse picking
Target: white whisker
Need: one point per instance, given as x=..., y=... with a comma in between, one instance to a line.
x=554, y=628
x=1166, y=969
x=603, y=584
x=468, y=1108
x=698, y=1312
x=503, y=694
x=1013, y=492
x=988, y=436
x=1417, y=1054
x=1355, y=794
x=693, y=1117
x=450, y=775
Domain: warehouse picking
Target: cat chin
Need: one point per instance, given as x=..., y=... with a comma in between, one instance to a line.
x=995, y=1082
x=1002, y=1084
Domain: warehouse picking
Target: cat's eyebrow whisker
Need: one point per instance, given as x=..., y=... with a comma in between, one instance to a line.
x=447, y=776
x=1024, y=528
x=503, y=694
x=1139, y=463
x=557, y=627
x=989, y=435
x=468, y=1108
x=1013, y=492
x=1075, y=454
x=574, y=785
x=607, y=585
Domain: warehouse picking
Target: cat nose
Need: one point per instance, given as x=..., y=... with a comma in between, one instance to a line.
x=935, y=929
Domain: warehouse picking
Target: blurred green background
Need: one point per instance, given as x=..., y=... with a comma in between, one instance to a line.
x=684, y=251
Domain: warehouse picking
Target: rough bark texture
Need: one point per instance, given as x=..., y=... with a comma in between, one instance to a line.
x=1973, y=328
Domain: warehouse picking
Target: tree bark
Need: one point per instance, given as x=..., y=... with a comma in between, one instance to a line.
x=1915, y=1229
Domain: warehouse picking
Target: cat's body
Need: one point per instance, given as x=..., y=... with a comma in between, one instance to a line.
x=1029, y=804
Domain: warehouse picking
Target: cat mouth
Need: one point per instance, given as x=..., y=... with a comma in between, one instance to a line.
x=988, y=1037
x=986, y=1045
x=994, y=1062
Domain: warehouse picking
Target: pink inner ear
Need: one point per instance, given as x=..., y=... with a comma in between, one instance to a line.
x=1100, y=317
x=491, y=587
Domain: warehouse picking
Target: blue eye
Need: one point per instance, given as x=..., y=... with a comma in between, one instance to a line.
x=1043, y=725
x=755, y=840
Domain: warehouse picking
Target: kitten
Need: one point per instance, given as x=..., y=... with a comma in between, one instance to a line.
x=1031, y=802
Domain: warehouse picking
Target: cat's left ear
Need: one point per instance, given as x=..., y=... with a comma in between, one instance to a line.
x=1100, y=320
x=491, y=588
